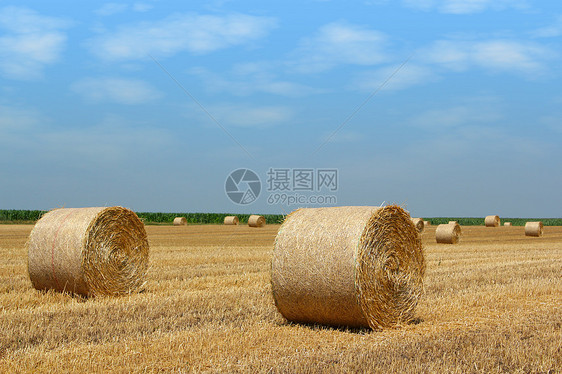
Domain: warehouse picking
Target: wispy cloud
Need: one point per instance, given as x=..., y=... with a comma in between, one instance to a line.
x=110, y=9
x=494, y=55
x=118, y=90
x=194, y=33
x=465, y=6
x=246, y=115
x=340, y=43
x=551, y=31
x=410, y=75
x=29, y=43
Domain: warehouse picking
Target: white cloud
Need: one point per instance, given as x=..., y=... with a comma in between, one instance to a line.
x=409, y=75
x=119, y=90
x=465, y=6
x=30, y=42
x=552, y=31
x=244, y=115
x=340, y=43
x=194, y=33
x=110, y=9
x=496, y=55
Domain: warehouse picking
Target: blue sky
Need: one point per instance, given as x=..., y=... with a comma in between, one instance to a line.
x=449, y=107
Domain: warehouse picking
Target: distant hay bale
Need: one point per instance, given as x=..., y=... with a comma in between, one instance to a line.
x=256, y=221
x=426, y=223
x=88, y=251
x=348, y=266
x=418, y=222
x=507, y=224
x=180, y=221
x=453, y=222
x=231, y=220
x=533, y=228
x=492, y=221
x=448, y=233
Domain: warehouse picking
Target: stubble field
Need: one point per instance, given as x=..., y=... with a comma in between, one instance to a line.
x=492, y=304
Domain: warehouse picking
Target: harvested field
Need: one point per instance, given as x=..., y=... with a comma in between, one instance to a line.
x=493, y=304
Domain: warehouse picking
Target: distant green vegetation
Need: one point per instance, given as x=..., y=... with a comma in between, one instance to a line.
x=30, y=216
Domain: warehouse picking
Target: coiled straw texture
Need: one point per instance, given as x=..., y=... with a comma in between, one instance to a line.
x=88, y=251
x=348, y=266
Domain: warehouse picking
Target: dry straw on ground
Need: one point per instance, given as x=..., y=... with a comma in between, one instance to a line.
x=88, y=251
x=418, y=222
x=533, y=228
x=508, y=224
x=256, y=221
x=180, y=221
x=348, y=266
x=448, y=233
x=492, y=221
x=231, y=220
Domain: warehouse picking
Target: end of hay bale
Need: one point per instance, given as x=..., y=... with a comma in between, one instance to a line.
x=88, y=251
x=348, y=266
x=492, y=221
x=448, y=233
x=419, y=223
x=256, y=221
x=231, y=220
x=534, y=228
x=180, y=221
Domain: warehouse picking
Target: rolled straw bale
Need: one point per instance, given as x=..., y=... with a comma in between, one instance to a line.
x=88, y=251
x=492, y=221
x=231, y=220
x=533, y=228
x=448, y=233
x=256, y=221
x=180, y=221
x=418, y=222
x=452, y=222
x=348, y=266
x=426, y=223
x=507, y=224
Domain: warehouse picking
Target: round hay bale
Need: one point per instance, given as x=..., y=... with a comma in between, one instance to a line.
x=348, y=266
x=507, y=224
x=448, y=233
x=426, y=223
x=533, y=228
x=453, y=222
x=88, y=251
x=256, y=221
x=418, y=222
x=231, y=220
x=180, y=221
x=492, y=221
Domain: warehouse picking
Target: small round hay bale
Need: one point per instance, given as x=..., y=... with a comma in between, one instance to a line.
x=448, y=233
x=88, y=251
x=492, y=221
x=533, y=228
x=426, y=223
x=180, y=221
x=231, y=220
x=507, y=224
x=453, y=222
x=418, y=222
x=348, y=266
x=256, y=221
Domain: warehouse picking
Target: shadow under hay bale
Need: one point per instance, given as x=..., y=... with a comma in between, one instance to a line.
x=492, y=221
x=534, y=228
x=449, y=233
x=256, y=221
x=348, y=266
x=180, y=221
x=231, y=220
x=88, y=251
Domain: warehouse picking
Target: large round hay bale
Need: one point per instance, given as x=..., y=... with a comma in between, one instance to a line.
x=256, y=221
x=492, y=221
x=533, y=228
x=448, y=233
x=507, y=224
x=88, y=251
x=418, y=222
x=348, y=266
x=231, y=220
x=180, y=221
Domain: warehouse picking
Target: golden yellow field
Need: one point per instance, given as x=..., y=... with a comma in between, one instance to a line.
x=493, y=304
